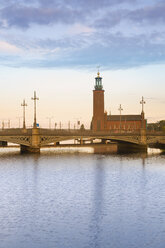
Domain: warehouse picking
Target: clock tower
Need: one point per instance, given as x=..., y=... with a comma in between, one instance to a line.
x=98, y=105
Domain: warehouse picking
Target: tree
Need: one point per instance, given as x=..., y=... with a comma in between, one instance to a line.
x=82, y=127
x=158, y=126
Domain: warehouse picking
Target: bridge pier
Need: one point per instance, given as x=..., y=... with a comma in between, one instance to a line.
x=143, y=136
x=105, y=148
x=131, y=148
x=134, y=148
x=35, y=143
x=29, y=149
x=81, y=141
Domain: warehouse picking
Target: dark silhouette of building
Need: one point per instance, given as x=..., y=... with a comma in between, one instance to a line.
x=101, y=121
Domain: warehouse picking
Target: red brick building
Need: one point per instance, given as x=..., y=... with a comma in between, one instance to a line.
x=101, y=121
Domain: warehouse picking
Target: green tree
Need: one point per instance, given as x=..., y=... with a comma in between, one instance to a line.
x=82, y=127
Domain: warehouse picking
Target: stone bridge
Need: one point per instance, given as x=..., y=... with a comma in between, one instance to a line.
x=33, y=139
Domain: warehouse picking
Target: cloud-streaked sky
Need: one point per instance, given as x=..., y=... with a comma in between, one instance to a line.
x=61, y=33
x=119, y=35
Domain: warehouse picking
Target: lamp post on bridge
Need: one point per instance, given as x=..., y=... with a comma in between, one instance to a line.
x=120, y=109
x=8, y=123
x=142, y=102
x=78, y=122
x=3, y=125
x=35, y=118
x=24, y=105
x=50, y=118
x=19, y=120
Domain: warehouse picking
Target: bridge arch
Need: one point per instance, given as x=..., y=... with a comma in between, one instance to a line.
x=45, y=140
x=19, y=140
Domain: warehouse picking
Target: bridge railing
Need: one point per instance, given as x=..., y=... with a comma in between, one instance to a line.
x=15, y=131
x=42, y=131
x=155, y=132
x=87, y=132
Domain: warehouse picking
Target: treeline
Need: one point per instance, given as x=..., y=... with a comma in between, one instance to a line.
x=158, y=126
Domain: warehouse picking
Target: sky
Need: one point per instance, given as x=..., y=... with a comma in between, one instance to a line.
x=55, y=47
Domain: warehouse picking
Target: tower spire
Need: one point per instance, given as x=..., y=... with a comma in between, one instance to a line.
x=98, y=73
x=98, y=81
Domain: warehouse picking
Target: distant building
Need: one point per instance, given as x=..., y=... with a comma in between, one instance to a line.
x=101, y=121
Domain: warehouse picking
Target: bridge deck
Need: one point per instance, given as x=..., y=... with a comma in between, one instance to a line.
x=47, y=136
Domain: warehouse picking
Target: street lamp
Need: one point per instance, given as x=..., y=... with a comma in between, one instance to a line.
x=120, y=109
x=19, y=120
x=50, y=118
x=8, y=123
x=3, y=125
x=78, y=121
x=142, y=102
x=69, y=125
x=60, y=125
x=24, y=105
x=34, y=99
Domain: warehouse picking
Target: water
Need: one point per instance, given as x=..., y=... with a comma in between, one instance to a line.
x=78, y=200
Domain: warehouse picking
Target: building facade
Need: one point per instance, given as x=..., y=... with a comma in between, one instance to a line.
x=103, y=122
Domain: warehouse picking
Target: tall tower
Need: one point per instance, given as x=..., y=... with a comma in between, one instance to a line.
x=98, y=105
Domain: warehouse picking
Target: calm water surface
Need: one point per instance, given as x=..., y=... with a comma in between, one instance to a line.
x=81, y=200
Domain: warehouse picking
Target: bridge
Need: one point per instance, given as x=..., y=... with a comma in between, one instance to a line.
x=32, y=140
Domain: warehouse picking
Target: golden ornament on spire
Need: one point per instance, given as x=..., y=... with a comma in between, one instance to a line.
x=98, y=73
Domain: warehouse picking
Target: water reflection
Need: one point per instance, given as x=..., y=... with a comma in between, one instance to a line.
x=98, y=202
x=81, y=200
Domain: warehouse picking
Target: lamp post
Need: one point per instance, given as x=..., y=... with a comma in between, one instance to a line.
x=120, y=109
x=78, y=122
x=3, y=125
x=35, y=118
x=50, y=118
x=142, y=102
x=8, y=123
x=19, y=120
x=24, y=105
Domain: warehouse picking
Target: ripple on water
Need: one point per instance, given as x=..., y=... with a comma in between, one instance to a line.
x=81, y=200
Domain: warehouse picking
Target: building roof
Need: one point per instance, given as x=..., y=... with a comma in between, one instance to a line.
x=124, y=117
